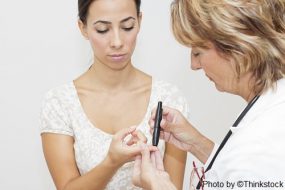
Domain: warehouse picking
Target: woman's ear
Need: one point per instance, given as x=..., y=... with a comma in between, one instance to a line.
x=83, y=29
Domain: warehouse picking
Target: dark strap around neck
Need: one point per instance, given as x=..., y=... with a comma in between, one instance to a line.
x=219, y=149
x=240, y=117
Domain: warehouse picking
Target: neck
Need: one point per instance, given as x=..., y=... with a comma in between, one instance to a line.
x=246, y=84
x=250, y=97
x=107, y=79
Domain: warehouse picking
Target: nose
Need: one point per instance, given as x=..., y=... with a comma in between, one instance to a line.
x=195, y=63
x=116, y=41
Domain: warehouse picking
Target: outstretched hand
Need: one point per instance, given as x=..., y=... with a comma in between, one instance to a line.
x=149, y=172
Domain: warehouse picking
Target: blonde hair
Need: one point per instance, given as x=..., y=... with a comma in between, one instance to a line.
x=252, y=32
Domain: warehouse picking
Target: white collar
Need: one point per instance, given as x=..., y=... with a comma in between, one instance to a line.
x=268, y=99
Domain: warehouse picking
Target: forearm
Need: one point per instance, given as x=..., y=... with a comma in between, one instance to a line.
x=96, y=179
x=201, y=147
x=175, y=158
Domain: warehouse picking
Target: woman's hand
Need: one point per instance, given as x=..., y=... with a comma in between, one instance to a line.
x=178, y=131
x=122, y=150
x=149, y=172
x=175, y=129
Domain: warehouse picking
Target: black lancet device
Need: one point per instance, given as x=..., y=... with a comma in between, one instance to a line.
x=156, y=128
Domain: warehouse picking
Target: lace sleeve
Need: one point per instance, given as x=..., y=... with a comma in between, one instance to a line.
x=177, y=100
x=53, y=116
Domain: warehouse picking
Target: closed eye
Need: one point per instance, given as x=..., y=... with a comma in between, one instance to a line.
x=102, y=31
x=128, y=29
x=195, y=54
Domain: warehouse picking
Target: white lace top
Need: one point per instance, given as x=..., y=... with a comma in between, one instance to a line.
x=62, y=113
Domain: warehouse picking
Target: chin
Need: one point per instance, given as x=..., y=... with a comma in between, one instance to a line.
x=219, y=88
x=118, y=66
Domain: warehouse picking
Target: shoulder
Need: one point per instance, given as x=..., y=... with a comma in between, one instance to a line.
x=170, y=95
x=61, y=97
x=270, y=108
x=167, y=91
x=55, y=114
x=60, y=93
x=165, y=87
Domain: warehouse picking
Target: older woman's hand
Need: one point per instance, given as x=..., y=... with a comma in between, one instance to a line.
x=175, y=128
x=149, y=171
x=178, y=131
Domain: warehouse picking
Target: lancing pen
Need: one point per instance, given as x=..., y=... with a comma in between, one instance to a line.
x=156, y=128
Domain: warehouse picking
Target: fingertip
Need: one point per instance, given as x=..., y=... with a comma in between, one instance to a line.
x=134, y=133
x=152, y=148
x=123, y=133
x=129, y=143
x=164, y=125
x=132, y=128
x=165, y=110
x=153, y=112
x=162, y=122
x=157, y=152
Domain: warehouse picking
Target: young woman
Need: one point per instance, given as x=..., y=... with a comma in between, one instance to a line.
x=84, y=123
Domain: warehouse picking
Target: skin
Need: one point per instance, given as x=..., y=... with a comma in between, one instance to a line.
x=220, y=70
x=178, y=131
x=111, y=88
x=149, y=166
x=59, y=154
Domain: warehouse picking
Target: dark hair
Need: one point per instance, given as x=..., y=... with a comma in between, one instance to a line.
x=83, y=7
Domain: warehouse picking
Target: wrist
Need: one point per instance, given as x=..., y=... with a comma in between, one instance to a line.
x=165, y=186
x=162, y=183
x=110, y=163
x=194, y=139
x=201, y=147
x=155, y=185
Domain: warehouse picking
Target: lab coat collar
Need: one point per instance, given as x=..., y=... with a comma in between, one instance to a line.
x=268, y=99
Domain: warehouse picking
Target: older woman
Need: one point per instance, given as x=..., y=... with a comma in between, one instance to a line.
x=240, y=45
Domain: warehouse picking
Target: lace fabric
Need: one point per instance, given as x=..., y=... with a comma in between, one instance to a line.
x=62, y=113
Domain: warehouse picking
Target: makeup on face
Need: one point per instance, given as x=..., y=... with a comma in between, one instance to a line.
x=112, y=28
x=117, y=57
x=103, y=26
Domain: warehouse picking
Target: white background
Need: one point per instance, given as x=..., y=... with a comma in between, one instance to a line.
x=41, y=47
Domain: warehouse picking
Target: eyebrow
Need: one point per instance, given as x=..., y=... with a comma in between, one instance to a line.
x=108, y=22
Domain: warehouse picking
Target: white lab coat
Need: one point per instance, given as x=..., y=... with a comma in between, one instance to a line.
x=256, y=150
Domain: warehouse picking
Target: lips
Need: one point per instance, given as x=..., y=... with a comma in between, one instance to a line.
x=117, y=57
